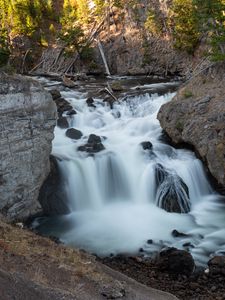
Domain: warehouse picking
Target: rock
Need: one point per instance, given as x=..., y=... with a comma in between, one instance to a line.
x=28, y=118
x=71, y=112
x=172, y=193
x=62, y=106
x=94, y=145
x=177, y=262
x=176, y=233
x=74, y=133
x=109, y=100
x=90, y=102
x=196, y=116
x=217, y=265
x=55, y=94
x=52, y=196
x=94, y=139
x=146, y=145
x=62, y=122
x=68, y=82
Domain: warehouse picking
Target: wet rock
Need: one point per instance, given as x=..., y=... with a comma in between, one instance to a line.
x=176, y=233
x=68, y=82
x=109, y=100
x=62, y=122
x=90, y=102
x=117, y=87
x=55, y=94
x=74, y=134
x=94, y=145
x=217, y=265
x=52, y=196
x=146, y=145
x=62, y=106
x=176, y=262
x=94, y=139
x=71, y=112
x=172, y=193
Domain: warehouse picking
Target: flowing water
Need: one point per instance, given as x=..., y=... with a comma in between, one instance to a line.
x=114, y=196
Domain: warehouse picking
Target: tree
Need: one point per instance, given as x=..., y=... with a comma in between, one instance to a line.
x=211, y=22
x=184, y=25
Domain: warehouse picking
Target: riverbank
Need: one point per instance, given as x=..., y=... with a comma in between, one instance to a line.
x=200, y=285
x=34, y=267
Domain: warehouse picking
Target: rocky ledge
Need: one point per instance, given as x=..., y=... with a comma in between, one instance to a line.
x=28, y=118
x=196, y=116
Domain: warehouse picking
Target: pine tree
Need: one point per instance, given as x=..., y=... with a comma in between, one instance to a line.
x=211, y=21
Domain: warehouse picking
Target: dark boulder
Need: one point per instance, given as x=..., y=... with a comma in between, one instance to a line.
x=176, y=233
x=94, y=139
x=71, y=112
x=110, y=101
x=74, y=134
x=177, y=262
x=90, y=102
x=94, y=145
x=217, y=265
x=172, y=193
x=55, y=94
x=52, y=196
x=146, y=145
x=62, y=122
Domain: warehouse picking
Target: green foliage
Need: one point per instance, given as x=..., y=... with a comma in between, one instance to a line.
x=184, y=25
x=153, y=23
x=211, y=21
x=4, y=48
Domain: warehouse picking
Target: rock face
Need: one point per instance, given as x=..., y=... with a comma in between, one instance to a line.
x=28, y=117
x=196, y=116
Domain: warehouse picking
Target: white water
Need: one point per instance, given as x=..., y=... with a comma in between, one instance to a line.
x=112, y=195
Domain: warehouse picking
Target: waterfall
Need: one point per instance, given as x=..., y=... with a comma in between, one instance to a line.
x=103, y=57
x=136, y=187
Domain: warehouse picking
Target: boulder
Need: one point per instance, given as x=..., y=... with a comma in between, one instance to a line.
x=177, y=262
x=28, y=118
x=94, y=139
x=196, y=117
x=71, y=112
x=90, y=102
x=55, y=94
x=172, y=193
x=74, y=134
x=146, y=145
x=94, y=145
x=62, y=122
x=217, y=265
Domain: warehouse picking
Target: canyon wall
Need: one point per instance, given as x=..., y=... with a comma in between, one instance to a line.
x=28, y=117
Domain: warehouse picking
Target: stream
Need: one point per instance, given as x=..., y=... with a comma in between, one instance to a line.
x=118, y=197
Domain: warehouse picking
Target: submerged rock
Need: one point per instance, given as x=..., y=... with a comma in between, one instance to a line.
x=73, y=133
x=172, y=193
x=146, y=145
x=90, y=102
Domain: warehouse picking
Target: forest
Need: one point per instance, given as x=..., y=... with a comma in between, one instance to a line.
x=187, y=23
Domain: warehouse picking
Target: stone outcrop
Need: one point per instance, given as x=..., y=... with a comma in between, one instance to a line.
x=196, y=116
x=28, y=117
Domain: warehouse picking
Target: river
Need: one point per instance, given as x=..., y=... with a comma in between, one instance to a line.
x=116, y=196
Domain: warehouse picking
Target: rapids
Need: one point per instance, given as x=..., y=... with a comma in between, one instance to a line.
x=112, y=195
